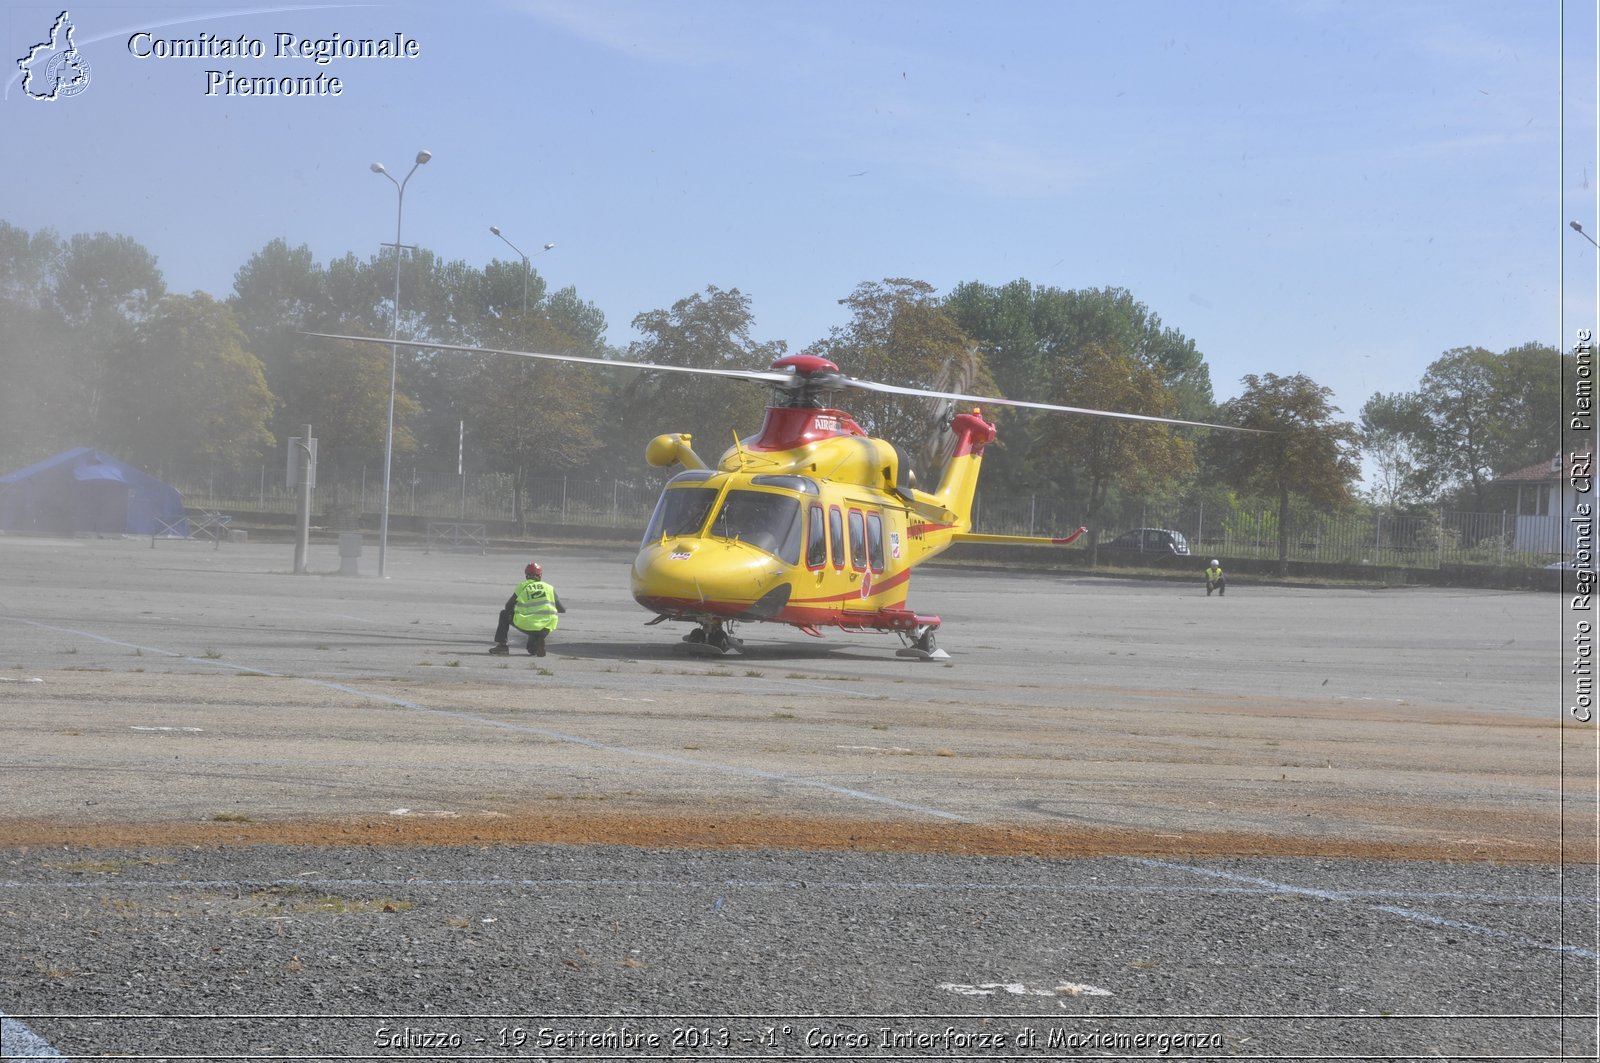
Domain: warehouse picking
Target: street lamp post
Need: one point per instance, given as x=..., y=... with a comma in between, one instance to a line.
x=496, y=230
x=394, y=354
x=1579, y=230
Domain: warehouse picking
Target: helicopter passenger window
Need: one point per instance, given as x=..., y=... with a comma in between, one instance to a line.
x=816, y=538
x=836, y=535
x=875, y=541
x=681, y=511
x=765, y=520
x=858, y=541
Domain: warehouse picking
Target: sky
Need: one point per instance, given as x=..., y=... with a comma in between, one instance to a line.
x=1343, y=189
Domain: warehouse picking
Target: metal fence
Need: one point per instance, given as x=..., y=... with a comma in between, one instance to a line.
x=1430, y=540
x=433, y=496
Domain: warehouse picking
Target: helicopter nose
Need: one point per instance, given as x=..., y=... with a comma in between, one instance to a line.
x=697, y=577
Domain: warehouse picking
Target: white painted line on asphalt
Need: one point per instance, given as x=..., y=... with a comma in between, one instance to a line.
x=1077, y=989
x=19, y=1042
x=1018, y=989
x=558, y=736
x=1350, y=898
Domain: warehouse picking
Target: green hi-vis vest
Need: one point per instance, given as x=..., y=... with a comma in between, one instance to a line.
x=536, y=606
x=1213, y=574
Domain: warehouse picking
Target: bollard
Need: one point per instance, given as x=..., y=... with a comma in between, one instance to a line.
x=349, y=552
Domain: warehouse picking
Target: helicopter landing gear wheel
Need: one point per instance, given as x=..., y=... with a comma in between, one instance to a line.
x=922, y=644
x=712, y=639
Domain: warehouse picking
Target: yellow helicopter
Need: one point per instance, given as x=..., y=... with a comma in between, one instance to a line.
x=808, y=522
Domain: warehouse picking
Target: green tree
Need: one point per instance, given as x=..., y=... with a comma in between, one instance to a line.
x=277, y=295
x=899, y=333
x=1528, y=383
x=341, y=389
x=1390, y=427
x=187, y=390
x=38, y=398
x=1483, y=414
x=1298, y=448
x=1029, y=333
x=582, y=321
x=107, y=275
x=709, y=330
x=533, y=418
x=1002, y=321
x=1139, y=455
x=66, y=309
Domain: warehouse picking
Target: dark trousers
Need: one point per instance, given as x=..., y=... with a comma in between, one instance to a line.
x=1218, y=585
x=503, y=629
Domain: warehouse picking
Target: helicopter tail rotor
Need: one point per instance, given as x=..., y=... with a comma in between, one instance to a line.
x=958, y=374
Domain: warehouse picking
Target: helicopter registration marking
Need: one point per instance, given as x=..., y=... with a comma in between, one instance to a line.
x=681, y=555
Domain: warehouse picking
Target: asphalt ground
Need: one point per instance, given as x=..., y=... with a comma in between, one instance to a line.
x=1124, y=819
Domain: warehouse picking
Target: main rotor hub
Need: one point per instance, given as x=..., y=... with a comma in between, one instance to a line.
x=813, y=377
x=805, y=364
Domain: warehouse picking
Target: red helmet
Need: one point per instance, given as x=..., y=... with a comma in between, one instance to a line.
x=534, y=570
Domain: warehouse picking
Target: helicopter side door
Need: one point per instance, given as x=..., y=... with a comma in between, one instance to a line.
x=864, y=525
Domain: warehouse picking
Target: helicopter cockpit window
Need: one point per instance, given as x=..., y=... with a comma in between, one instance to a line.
x=768, y=521
x=804, y=484
x=681, y=511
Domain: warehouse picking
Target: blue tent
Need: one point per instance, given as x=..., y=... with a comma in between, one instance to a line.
x=84, y=490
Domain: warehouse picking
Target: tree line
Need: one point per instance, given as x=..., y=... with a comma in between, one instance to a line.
x=95, y=351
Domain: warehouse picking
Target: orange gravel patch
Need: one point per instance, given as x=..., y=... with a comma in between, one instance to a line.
x=1537, y=844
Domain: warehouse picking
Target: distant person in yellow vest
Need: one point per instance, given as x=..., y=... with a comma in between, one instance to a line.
x=532, y=608
x=1215, y=580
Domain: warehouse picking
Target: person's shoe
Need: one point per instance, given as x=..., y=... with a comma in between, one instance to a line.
x=499, y=649
x=538, y=651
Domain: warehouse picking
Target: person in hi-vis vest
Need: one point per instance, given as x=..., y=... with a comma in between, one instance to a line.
x=532, y=608
x=1215, y=580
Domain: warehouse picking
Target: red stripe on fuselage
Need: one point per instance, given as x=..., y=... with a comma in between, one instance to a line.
x=897, y=580
x=793, y=615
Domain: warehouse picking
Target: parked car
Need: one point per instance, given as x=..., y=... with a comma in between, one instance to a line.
x=1149, y=541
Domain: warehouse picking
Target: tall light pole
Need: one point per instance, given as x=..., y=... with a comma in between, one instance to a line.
x=1579, y=230
x=394, y=355
x=496, y=230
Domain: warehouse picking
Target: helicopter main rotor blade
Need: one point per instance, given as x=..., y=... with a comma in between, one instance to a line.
x=764, y=376
x=990, y=400
x=819, y=381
